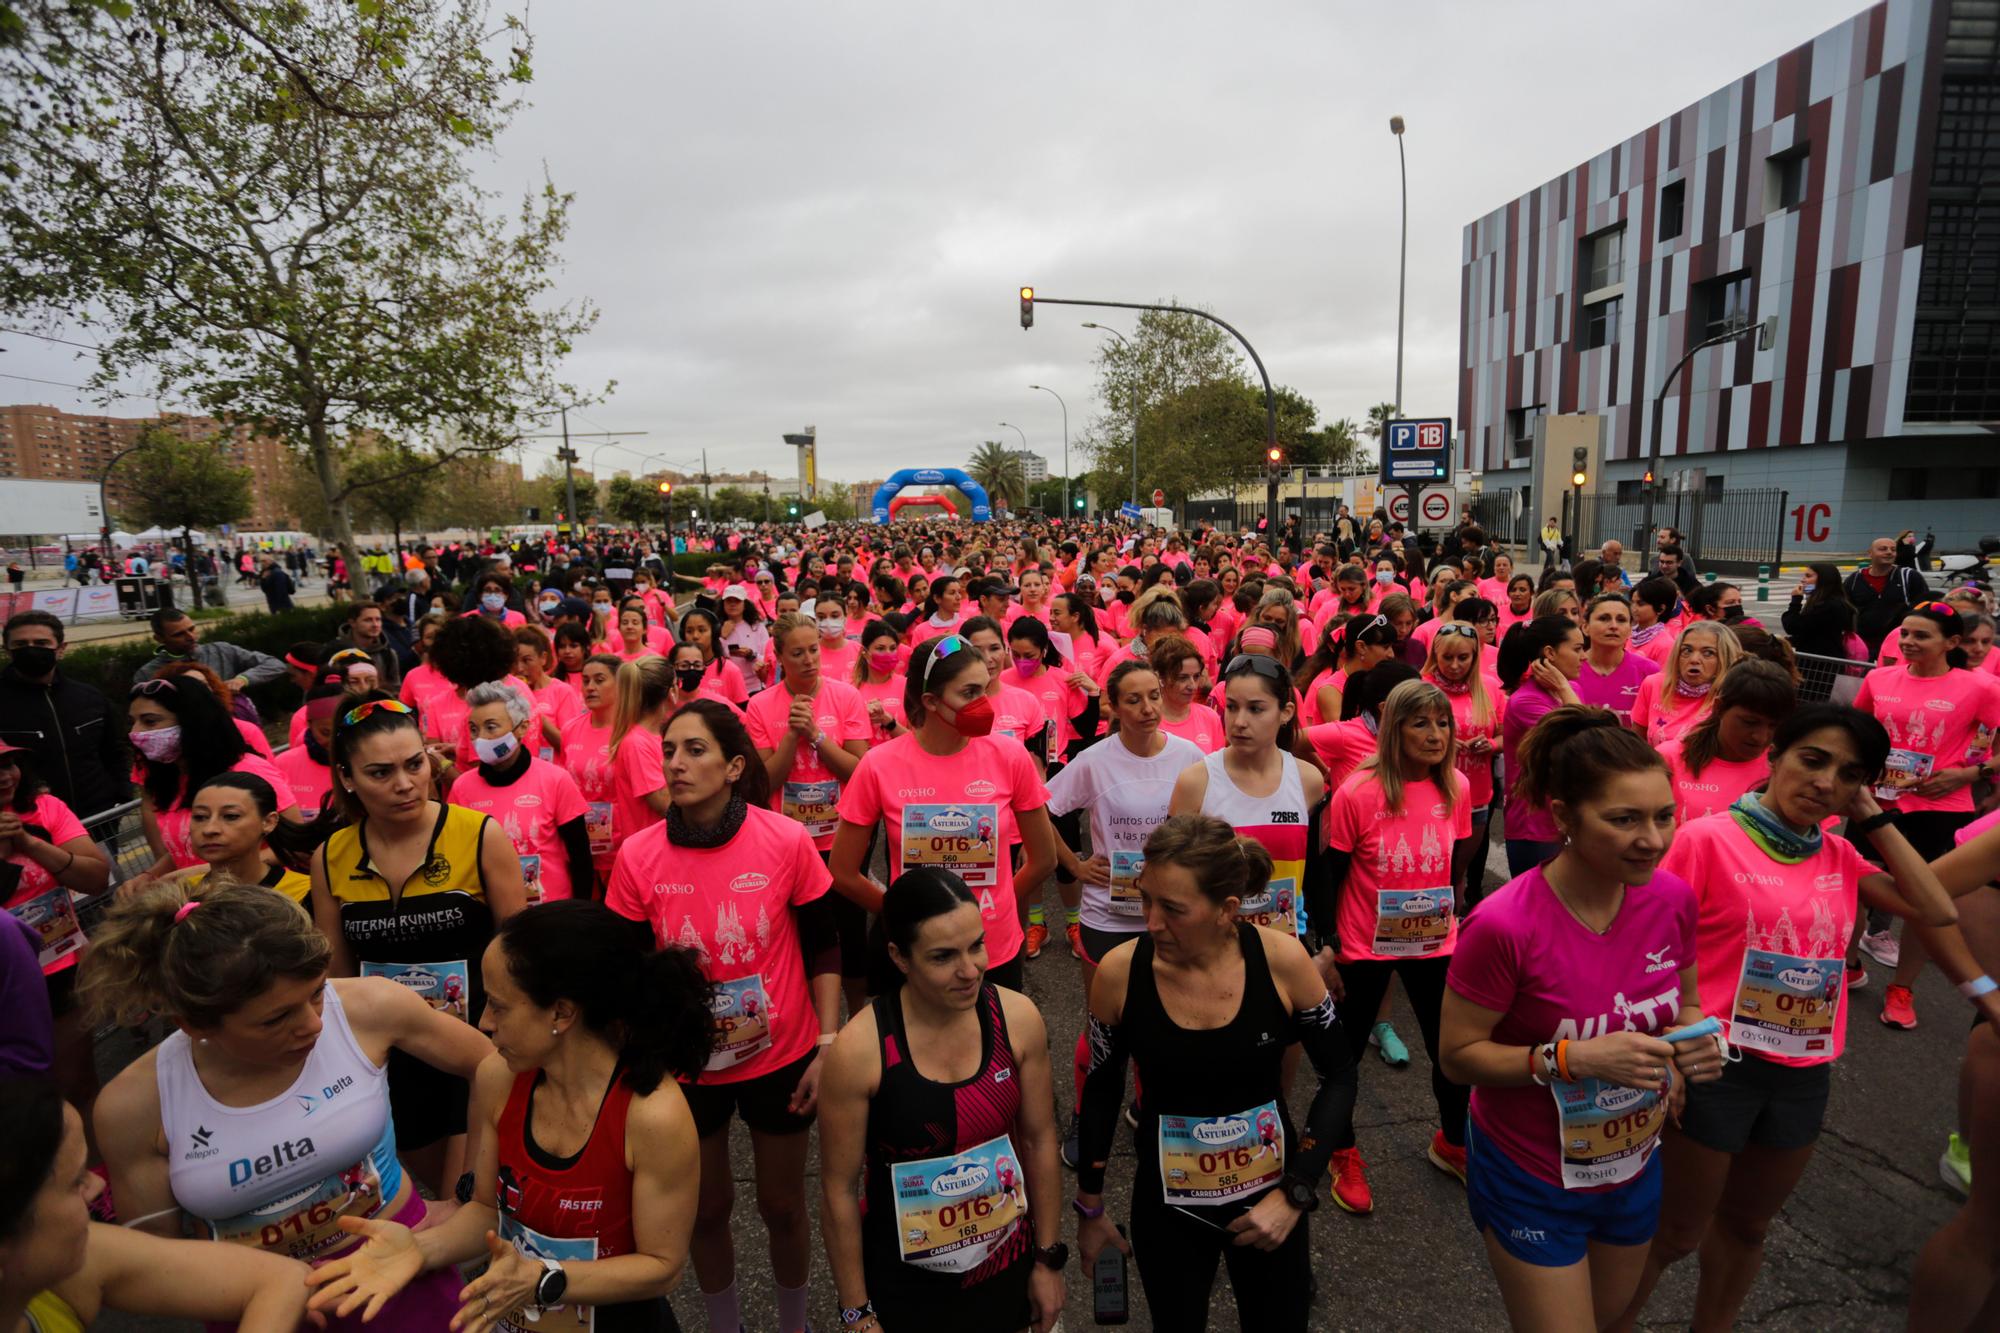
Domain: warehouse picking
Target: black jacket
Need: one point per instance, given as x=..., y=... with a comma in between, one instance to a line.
x=1821, y=630
x=77, y=737
x=1876, y=614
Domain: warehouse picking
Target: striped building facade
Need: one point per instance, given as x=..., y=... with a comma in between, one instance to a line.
x=1841, y=188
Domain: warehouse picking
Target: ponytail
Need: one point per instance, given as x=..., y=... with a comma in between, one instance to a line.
x=653, y=1008
x=1574, y=751
x=644, y=684
x=915, y=897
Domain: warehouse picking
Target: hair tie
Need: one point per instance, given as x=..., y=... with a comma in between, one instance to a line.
x=181, y=912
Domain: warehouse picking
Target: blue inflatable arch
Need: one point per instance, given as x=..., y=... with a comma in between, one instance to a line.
x=933, y=476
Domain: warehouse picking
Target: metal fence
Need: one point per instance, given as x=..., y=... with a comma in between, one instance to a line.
x=1736, y=528
x=1829, y=679
x=1494, y=512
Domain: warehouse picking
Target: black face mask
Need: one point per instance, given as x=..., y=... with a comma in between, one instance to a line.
x=689, y=676
x=33, y=659
x=1127, y=596
x=316, y=751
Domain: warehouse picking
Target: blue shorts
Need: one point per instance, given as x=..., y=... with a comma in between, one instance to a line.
x=1547, y=1225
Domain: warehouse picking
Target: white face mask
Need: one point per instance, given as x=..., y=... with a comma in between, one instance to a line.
x=495, y=750
x=832, y=627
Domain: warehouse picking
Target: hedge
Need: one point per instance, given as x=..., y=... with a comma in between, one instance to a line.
x=109, y=666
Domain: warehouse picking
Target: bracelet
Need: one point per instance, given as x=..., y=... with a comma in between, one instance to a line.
x=1978, y=986
x=854, y=1314
x=828, y=1038
x=1535, y=1066
x=1082, y=1211
x=1873, y=822
x=1562, y=1059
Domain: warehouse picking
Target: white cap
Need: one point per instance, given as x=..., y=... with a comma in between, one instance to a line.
x=736, y=590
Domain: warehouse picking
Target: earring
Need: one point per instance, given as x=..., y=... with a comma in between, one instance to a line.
x=555, y=1032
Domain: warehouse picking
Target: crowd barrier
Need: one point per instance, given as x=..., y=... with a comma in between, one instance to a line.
x=1829, y=679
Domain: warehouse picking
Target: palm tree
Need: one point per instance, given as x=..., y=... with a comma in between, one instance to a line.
x=1379, y=417
x=1000, y=472
x=1341, y=440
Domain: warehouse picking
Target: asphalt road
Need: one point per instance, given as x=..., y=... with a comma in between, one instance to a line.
x=1838, y=1258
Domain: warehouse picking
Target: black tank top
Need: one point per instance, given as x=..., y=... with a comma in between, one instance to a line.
x=915, y=1120
x=1213, y=1074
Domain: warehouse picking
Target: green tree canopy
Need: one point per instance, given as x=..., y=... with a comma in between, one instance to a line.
x=269, y=210
x=1001, y=473
x=176, y=482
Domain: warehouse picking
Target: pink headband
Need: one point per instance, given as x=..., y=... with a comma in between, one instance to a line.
x=1258, y=636
x=181, y=912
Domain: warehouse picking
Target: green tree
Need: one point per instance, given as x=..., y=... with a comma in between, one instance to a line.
x=389, y=489
x=636, y=501
x=1335, y=443
x=1160, y=374
x=1379, y=417
x=270, y=210
x=177, y=482
x=1001, y=473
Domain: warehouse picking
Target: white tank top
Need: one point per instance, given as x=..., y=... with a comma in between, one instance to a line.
x=278, y=1174
x=1278, y=821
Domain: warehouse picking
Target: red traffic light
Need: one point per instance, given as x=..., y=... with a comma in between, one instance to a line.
x=1274, y=455
x=666, y=488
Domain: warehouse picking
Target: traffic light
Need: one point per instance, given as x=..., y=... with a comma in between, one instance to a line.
x=1579, y=466
x=666, y=488
x=792, y=509
x=1027, y=307
x=1648, y=478
x=1274, y=459
x=1079, y=503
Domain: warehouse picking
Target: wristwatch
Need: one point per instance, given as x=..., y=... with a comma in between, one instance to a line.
x=553, y=1283
x=1299, y=1193
x=1055, y=1256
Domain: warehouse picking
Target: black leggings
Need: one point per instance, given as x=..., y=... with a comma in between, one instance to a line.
x=1930, y=834
x=1177, y=1257
x=1423, y=981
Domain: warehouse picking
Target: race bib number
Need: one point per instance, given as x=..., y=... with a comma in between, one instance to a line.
x=52, y=916
x=443, y=986
x=1608, y=1131
x=964, y=839
x=1125, y=868
x=1223, y=1159
x=531, y=875
x=1786, y=1005
x=1412, y=923
x=742, y=1022
x=306, y=1223
x=597, y=827
x=1905, y=769
x=953, y=1212
x=815, y=805
x=535, y=1246
x=1277, y=906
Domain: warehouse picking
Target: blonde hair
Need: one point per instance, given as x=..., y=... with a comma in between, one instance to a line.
x=149, y=957
x=1727, y=652
x=644, y=683
x=1288, y=637
x=785, y=624
x=1482, y=702
x=1549, y=602
x=1410, y=699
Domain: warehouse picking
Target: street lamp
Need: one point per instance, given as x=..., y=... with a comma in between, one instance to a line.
x=1065, y=411
x=1135, y=408
x=1024, y=449
x=1767, y=338
x=1402, y=253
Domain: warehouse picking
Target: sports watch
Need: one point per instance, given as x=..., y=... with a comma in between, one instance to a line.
x=1299, y=1193
x=552, y=1284
x=1055, y=1256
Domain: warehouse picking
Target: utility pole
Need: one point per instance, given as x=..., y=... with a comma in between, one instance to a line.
x=568, y=457
x=1065, y=416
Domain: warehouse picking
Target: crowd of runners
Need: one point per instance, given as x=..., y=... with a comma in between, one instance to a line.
x=463, y=990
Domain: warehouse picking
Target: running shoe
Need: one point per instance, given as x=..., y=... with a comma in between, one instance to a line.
x=1899, y=1008
x=1857, y=975
x=1074, y=932
x=1955, y=1166
x=1882, y=947
x=1037, y=936
x=1350, y=1181
x=1445, y=1157
x=1388, y=1045
x=1072, y=1144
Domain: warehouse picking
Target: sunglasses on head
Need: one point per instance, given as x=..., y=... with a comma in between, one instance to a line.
x=949, y=644
x=360, y=711
x=1937, y=608
x=149, y=688
x=1458, y=627
x=1268, y=667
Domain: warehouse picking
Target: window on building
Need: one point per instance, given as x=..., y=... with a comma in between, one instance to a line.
x=1600, y=322
x=1721, y=303
x=1603, y=259
x=1631, y=492
x=1673, y=209
x=1785, y=179
x=1521, y=431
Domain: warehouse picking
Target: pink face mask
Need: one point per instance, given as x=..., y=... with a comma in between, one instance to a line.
x=883, y=662
x=1027, y=668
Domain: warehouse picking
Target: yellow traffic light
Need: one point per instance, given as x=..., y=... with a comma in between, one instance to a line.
x=1275, y=455
x=1577, y=478
x=1027, y=307
x=666, y=488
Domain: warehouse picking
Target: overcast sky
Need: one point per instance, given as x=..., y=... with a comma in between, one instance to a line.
x=820, y=213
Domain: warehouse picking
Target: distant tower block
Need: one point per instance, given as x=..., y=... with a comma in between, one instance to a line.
x=808, y=462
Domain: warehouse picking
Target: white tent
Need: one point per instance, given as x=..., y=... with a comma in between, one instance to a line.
x=119, y=538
